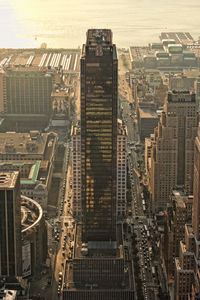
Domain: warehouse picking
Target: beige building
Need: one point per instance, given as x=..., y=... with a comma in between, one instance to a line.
x=187, y=272
x=32, y=154
x=147, y=154
x=185, y=266
x=179, y=212
x=172, y=154
x=121, y=169
x=76, y=171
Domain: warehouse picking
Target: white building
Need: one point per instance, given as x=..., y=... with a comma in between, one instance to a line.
x=121, y=169
x=76, y=171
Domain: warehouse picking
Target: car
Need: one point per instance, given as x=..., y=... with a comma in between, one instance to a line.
x=60, y=280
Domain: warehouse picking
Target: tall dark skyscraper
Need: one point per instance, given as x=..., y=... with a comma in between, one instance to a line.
x=99, y=136
x=100, y=268
x=10, y=224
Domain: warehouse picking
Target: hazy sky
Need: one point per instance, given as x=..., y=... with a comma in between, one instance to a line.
x=63, y=23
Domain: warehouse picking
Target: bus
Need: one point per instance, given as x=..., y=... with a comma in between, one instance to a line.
x=153, y=271
x=148, y=234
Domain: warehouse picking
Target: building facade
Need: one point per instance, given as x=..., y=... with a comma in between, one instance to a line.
x=76, y=171
x=10, y=225
x=187, y=272
x=32, y=154
x=147, y=122
x=172, y=154
x=26, y=92
x=178, y=213
x=99, y=84
x=121, y=170
x=98, y=268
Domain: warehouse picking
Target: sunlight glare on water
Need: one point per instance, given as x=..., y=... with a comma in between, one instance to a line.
x=63, y=23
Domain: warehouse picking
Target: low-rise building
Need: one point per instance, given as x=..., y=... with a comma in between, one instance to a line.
x=32, y=154
x=147, y=122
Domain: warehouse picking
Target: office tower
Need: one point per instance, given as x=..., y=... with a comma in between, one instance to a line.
x=99, y=136
x=25, y=92
x=100, y=267
x=121, y=170
x=187, y=272
x=196, y=205
x=10, y=225
x=172, y=149
x=178, y=213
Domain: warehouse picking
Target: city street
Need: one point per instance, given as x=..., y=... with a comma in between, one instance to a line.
x=141, y=222
x=65, y=228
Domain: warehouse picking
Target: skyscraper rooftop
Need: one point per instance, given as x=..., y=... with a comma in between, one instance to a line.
x=99, y=37
x=8, y=179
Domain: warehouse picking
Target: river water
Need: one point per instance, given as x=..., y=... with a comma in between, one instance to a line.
x=63, y=23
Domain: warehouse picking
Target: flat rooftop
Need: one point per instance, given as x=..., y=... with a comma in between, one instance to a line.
x=26, y=143
x=147, y=113
x=8, y=179
x=100, y=271
x=183, y=38
x=33, y=167
x=137, y=53
x=31, y=214
x=63, y=59
x=101, y=37
x=181, y=96
x=122, y=129
x=109, y=249
x=181, y=198
x=76, y=130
